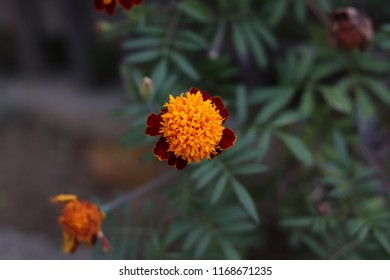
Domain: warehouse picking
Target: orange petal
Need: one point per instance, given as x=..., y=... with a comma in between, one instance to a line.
x=63, y=198
x=228, y=139
x=70, y=243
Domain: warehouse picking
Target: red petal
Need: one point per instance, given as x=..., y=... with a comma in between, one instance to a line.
x=126, y=4
x=217, y=101
x=154, y=123
x=180, y=164
x=228, y=139
x=110, y=8
x=137, y=2
x=99, y=5
x=172, y=159
x=164, y=110
x=219, y=151
x=161, y=149
x=204, y=94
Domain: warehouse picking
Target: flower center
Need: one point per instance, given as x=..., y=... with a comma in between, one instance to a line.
x=81, y=219
x=192, y=127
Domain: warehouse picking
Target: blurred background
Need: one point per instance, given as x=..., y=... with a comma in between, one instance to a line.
x=61, y=79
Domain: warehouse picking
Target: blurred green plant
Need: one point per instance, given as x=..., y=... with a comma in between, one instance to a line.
x=328, y=193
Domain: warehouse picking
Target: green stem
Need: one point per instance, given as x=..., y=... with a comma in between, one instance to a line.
x=133, y=194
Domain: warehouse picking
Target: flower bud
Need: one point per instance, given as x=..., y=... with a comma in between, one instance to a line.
x=146, y=88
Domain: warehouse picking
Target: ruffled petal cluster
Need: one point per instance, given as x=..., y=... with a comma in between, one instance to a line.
x=191, y=128
x=81, y=222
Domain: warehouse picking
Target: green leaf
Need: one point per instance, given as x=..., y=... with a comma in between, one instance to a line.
x=297, y=222
x=196, y=10
x=287, y=118
x=337, y=99
x=207, y=177
x=296, y=146
x=142, y=43
x=341, y=146
x=245, y=199
x=275, y=105
x=242, y=104
x=219, y=188
x=159, y=74
x=228, y=249
x=265, y=34
x=202, y=245
x=200, y=170
x=238, y=227
x=300, y=10
x=193, y=37
x=143, y=56
x=279, y=9
x=307, y=102
x=257, y=48
x=383, y=240
x=378, y=88
x=194, y=236
x=365, y=107
x=250, y=169
x=314, y=246
x=184, y=65
x=324, y=70
x=263, y=145
x=239, y=39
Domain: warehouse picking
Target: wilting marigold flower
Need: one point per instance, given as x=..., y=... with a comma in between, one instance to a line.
x=110, y=5
x=190, y=128
x=349, y=29
x=80, y=221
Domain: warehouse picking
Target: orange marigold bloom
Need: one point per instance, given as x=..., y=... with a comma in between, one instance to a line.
x=190, y=128
x=80, y=221
x=110, y=5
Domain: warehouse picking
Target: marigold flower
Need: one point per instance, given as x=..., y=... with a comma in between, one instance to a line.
x=349, y=29
x=190, y=128
x=80, y=221
x=110, y=5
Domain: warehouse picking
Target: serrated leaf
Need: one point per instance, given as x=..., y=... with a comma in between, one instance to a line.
x=196, y=10
x=200, y=170
x=143, y=56
x=245, y=199
x=263, y=145
x=337, y=99
x=194, y=37
x=297, y=148
x=324, y=70
x=184, y=65
x=219, y=188
x=307, y=102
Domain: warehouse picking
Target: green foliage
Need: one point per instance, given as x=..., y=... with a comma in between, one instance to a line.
x=304, y=162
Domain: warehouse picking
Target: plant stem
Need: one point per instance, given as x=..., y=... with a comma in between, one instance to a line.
x=133, y=194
